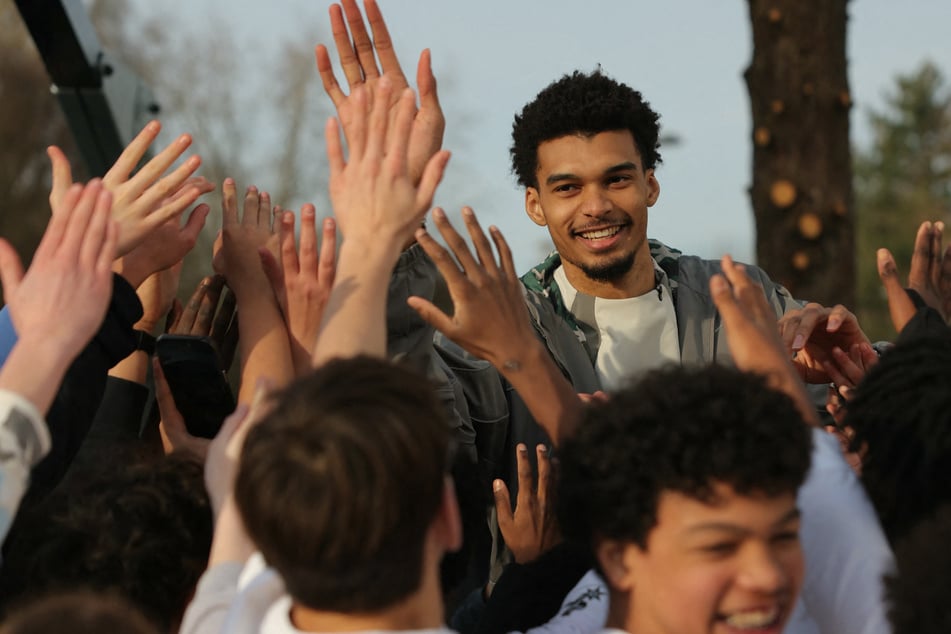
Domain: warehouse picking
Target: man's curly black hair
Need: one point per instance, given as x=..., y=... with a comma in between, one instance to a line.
x=917, y=593
x=901, y=414
x=584, y=104
x=680, y=430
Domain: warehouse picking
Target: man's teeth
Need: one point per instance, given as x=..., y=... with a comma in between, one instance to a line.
x=753, y=619
x=600, y=233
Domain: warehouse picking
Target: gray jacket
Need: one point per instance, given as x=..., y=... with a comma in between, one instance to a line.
x=488, y=417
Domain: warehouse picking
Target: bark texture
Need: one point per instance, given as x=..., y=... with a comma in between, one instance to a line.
x=802, y=171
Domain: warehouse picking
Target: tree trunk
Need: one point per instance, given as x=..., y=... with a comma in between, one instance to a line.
x=802, y=170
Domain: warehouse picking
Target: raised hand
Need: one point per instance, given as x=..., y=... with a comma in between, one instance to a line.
x=531, y=529
x=166, y=246
x=63, y=296
x=60, y=302
x=358, y=56
x=812, y=332
x=236, y=249
x=303, y=281
x=490, y=319
x=753, y=334
x=377, y=207
x=930, y=276
x=373, y=195
x=147, y=200
x=262, y=338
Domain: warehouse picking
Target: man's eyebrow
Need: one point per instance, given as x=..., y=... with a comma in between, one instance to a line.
x=621, y=167
x=554, y=178
x=733, y=528
x=614, y=169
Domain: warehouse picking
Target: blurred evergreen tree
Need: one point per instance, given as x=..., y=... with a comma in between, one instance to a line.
x=903, y=179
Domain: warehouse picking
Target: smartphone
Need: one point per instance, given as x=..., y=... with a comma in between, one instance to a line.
x=198, y=383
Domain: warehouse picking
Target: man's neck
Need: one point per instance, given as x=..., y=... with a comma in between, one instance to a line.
x=636, y=282
x=422, y=610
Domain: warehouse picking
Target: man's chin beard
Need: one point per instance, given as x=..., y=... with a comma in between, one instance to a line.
x=610, y=271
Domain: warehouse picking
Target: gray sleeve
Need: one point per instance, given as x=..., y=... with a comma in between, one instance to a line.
x=408, y=337
x=411, y=340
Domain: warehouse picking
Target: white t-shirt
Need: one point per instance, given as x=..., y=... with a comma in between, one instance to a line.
x=637, y=333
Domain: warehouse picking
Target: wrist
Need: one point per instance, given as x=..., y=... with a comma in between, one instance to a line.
x=520, y=359
x=250, y=287
x=48, y=351
x=146, y=324
x=131, y=273
x=373, y=252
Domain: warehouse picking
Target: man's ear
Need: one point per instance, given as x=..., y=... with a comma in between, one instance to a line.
x=448, y=522
x=653, y=188
x=616, y=563
x=533, y=207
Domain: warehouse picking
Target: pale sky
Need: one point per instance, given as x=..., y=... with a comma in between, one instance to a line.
x=685, y=56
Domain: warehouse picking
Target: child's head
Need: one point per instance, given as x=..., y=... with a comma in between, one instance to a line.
x=340, y=484
x=685, y=485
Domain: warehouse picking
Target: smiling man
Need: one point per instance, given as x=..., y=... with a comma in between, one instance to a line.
x=586, y=150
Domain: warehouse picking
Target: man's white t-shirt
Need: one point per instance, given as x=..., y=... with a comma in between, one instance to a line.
x=637, y=333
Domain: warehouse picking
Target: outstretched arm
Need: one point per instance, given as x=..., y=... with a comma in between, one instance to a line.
x=66, y=277
x=303, y=280
x=262, y=337
x=377, y=207
x=70, y=274
x=754, y=337
x=490, y=320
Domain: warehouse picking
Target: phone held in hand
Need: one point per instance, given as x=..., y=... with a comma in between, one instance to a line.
x=198, y=383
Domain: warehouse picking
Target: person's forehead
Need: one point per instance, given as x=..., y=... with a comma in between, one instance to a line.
x=587, y=151
x=681, y=515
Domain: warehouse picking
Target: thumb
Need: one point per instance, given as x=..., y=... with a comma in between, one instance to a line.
x=62, y=176
x=724, y=300
x=11, y=269
x=900, y=306
x=431, y=314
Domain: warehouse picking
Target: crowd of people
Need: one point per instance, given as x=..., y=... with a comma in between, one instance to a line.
x=626, y=438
